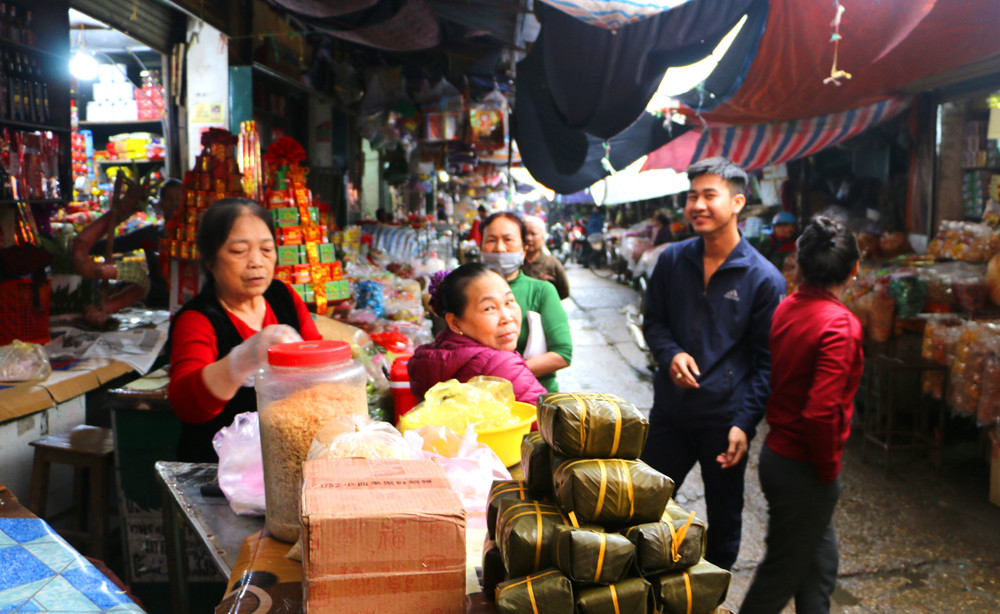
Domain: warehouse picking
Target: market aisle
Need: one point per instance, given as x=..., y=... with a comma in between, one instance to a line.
x=911, y=541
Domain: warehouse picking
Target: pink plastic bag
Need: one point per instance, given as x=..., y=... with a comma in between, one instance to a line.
x=471, y=466
x=241, y=466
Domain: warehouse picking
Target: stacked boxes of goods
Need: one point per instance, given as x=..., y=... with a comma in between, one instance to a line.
x=214, y=177
x=591, y=529
x=306, y=258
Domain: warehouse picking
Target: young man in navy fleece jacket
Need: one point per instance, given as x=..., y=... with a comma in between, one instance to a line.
x=707, y=321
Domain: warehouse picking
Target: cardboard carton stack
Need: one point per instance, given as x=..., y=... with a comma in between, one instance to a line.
x=381, y=536
x=215, y=176
x=306, y=258
x=591, y=529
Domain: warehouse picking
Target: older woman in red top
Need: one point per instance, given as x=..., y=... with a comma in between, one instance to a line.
x=816, y=364
x=219, y=339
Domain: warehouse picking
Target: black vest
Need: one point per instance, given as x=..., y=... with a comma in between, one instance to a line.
x=195, y=444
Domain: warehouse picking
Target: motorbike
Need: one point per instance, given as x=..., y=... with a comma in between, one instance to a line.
x=558, y=244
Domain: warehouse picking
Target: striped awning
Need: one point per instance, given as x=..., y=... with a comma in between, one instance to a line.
x=614, y=14
x=753, y=146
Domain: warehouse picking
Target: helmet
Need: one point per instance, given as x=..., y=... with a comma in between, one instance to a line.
x=784, y=217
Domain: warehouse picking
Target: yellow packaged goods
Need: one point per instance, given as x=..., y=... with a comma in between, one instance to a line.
x=480, y=401
x=500, y=490
x=697, y=590
x=668, y=545
x=591, y=425
x=611, y=491
x=524, y=533
x=536, y=464
x=631, y=596
x=382, y=536
x=304, y=386
x=592, y=557
x=549, y=591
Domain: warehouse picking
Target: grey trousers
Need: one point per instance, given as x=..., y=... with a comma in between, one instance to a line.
x=802, y=558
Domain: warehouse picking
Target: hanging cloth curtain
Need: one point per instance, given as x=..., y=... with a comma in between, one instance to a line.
x=601, y=80
x=567, y=160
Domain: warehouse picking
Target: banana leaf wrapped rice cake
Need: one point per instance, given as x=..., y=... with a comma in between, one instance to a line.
x=493, y=570
x=611, y=491
x=524, y=532
x=667, y=545
x=630, y=596
x=549, y=591
x=591, y=557
x=592, y=425
x=499, y=491
x=536, y=464
x=697, y=590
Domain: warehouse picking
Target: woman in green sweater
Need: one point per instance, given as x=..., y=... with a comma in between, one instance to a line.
x=503, y=251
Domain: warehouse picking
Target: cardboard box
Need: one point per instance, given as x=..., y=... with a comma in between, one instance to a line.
x=381, y=536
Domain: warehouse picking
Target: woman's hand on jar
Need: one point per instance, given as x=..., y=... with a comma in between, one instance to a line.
x=247, y=357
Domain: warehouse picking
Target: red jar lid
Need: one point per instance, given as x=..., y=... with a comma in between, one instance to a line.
x=308, y=353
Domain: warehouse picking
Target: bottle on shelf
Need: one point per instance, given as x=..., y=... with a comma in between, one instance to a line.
x=28, y=30
x=16, y=97
x=36, y=94
x=13, y=26
x=4, y=94
x=4, y=23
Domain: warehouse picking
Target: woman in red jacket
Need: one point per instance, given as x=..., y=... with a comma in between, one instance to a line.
x=816, y=364
x=219, y=339
x=483, y=321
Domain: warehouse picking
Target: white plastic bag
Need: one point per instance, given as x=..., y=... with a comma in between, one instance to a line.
x=241, y=466
x=22, y=362
x=471, y=466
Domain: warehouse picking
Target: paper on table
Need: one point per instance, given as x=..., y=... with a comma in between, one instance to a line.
x=536, y=345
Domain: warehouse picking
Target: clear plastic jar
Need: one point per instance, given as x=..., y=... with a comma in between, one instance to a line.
x=303, y=387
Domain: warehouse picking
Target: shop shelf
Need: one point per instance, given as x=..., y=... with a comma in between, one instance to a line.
x=32, y=126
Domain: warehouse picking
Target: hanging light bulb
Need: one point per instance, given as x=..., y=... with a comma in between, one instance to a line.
x=443, y=176
x=83, y=66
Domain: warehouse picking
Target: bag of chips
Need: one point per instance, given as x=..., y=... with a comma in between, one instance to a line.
x=592, y=425
x=611, y=491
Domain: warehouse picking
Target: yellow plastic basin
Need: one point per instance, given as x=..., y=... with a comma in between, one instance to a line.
x=506, y=441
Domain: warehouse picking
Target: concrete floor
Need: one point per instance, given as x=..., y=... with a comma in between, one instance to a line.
x=911, y=539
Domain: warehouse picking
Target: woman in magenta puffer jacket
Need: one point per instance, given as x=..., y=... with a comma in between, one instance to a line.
x=483, y=321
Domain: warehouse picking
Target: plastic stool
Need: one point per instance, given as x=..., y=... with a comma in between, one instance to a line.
x=83, y=447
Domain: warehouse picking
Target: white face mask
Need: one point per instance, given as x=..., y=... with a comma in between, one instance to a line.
x=505, y=263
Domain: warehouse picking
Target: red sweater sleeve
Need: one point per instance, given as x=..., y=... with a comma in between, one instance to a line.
x=823, y=415
x=193, y=347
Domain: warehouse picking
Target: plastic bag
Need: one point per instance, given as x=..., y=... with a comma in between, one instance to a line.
x=483, y=401
x=345, y=438
x=21, y=362
x=241, y=466
x=471, y=466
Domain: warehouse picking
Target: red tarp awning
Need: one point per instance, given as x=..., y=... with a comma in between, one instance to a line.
x=886, y=45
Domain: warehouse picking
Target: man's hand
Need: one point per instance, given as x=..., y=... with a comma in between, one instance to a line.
x=737, y=448
x=684, y=370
